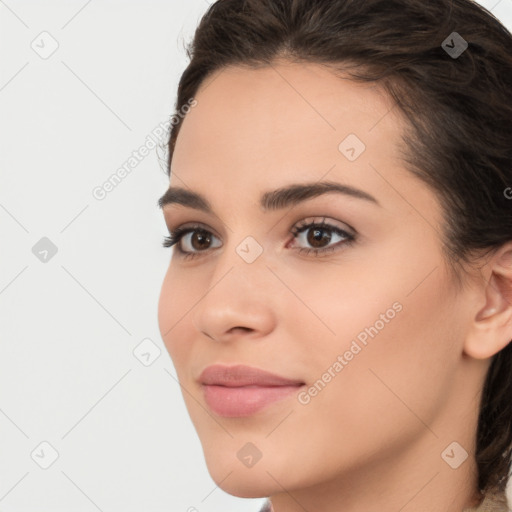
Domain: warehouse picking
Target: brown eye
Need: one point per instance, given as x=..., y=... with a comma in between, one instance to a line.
x=318, y=236
x=199, y=240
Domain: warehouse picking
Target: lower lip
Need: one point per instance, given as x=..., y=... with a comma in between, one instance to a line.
x=233, y=402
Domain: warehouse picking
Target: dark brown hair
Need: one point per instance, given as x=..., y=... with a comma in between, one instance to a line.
x=459, y=131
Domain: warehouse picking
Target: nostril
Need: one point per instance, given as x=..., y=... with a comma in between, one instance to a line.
x=242, y=328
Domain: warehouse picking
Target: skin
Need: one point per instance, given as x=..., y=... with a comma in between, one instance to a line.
x=372, y=439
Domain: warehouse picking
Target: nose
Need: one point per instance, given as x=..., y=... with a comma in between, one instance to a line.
x=237, y=301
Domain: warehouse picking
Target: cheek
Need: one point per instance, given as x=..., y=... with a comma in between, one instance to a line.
x=407, y=363
x=176, y=299
x=396, y=332
x=393, y=386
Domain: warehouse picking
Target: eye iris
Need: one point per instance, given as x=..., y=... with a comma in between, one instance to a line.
x=198, y=235
x=318, y=237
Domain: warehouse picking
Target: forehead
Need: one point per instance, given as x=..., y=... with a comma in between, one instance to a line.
x=285, y=118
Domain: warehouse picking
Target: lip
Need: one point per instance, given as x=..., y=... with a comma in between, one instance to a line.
x=240, y=390
x=242, y=375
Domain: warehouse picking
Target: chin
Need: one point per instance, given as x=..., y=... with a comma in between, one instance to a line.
x=242, y=482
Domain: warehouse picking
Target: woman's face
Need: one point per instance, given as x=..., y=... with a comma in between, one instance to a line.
x=371, y=326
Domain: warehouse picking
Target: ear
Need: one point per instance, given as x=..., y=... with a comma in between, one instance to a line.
x=491, y=328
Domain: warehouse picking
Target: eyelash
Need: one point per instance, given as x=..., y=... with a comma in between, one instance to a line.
x=304, y=226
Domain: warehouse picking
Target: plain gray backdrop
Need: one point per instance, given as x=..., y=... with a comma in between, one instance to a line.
x=91, y=416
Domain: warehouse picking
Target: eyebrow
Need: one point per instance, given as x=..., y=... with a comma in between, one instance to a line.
x=278, y=199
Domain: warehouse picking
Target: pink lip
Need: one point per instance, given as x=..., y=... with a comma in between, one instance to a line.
x=234, y=391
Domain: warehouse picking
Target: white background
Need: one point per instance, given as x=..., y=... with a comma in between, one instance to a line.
x=69, y=326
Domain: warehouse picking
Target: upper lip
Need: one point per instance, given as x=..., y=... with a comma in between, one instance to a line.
x=242, y=375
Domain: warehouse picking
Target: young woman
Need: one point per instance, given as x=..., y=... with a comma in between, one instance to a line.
x=338, y=305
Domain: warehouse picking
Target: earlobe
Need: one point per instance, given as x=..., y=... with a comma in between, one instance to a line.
x=491, y=330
